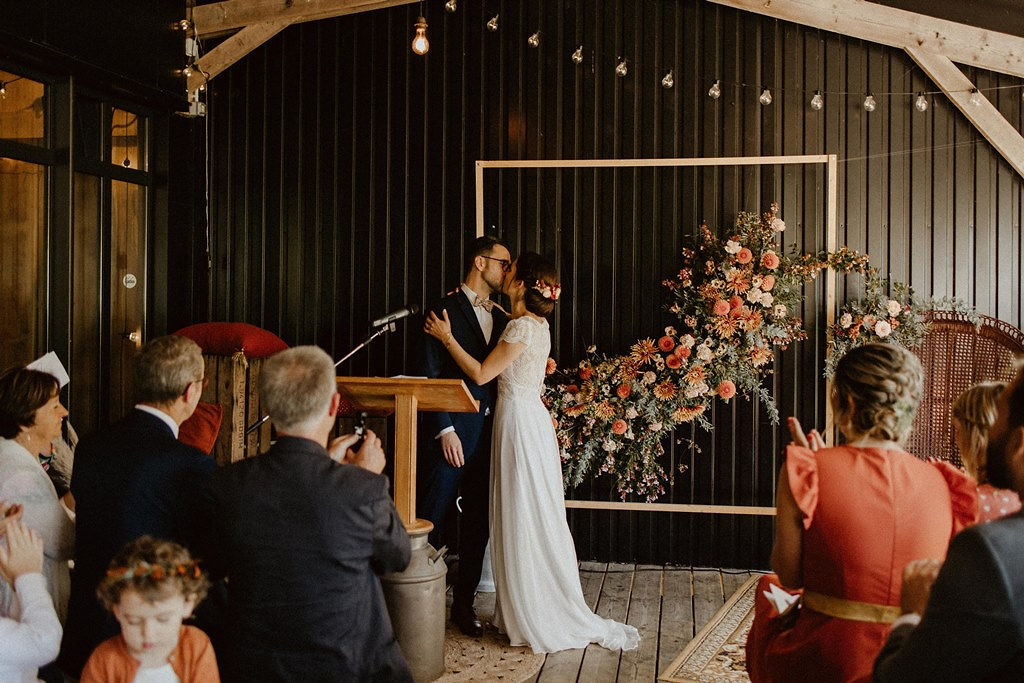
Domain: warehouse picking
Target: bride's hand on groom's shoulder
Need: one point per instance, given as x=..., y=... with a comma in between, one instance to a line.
x=370, y=455
x=440, y=328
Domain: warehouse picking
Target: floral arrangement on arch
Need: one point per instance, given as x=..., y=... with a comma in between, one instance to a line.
x=736, y=300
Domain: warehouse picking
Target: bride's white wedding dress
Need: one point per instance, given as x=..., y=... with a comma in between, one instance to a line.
x=539, y=599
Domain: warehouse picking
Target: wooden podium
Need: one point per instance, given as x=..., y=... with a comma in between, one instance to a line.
x=404, y=396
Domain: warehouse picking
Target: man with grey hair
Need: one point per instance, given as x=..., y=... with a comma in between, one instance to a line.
x=131, y=479
x=301, y=533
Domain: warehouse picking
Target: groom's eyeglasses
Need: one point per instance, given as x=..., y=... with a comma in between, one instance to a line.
x=506, y=265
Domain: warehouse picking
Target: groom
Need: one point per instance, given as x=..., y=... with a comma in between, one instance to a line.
x=457, y=458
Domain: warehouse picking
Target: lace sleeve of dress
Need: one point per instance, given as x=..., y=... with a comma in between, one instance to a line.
x=517, y=331
x=963, y=494
x=802, y=469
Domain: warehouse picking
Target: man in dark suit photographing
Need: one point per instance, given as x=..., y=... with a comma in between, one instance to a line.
x=301, y=533
x=969, y=625
x=457, y=446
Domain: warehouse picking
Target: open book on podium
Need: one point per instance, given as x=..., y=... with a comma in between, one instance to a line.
x=404, y=396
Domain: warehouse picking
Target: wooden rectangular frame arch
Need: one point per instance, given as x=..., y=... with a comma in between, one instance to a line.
x=831, y=236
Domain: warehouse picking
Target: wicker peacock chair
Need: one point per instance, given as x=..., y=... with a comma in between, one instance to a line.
x=956, y=355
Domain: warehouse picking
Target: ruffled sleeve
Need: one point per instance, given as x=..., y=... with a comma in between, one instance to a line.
x=963, y=494
x=518, y=331
x=802, y=470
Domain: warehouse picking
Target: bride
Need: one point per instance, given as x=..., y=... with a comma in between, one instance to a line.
x=539, y=599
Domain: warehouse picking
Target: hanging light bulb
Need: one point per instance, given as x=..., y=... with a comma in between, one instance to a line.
x=715, y=91
x=534, y=40
x=921, y=104
x=451, y=6
x=577, y=55
x=621, y=70
x=420, y=44
x=869, y=103
x=668, y=81
x=817, y=102
x=766, y=97
x=975, y=97
x=492, y=25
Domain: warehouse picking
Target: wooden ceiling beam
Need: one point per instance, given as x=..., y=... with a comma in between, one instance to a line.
x=231, y=50
x=985, y=117
x=222, y=17
x=961, y=43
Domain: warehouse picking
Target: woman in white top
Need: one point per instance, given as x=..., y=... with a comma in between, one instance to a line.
x=33, y=638
x=30, y=421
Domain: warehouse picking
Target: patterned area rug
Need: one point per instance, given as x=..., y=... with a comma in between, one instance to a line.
x=489, y=658
x=718, y=652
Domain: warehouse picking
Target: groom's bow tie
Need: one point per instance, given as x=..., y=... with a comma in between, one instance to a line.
x=483, y=303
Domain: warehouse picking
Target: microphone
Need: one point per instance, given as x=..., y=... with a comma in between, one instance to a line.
x=411, y=309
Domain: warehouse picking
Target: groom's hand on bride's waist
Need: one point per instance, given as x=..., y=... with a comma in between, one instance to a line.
x=451, y=447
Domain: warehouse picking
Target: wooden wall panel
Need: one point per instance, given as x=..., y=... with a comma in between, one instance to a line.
x=342, y=187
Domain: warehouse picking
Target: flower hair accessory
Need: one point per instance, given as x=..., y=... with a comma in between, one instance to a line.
x=155, y=571
x=548, y=291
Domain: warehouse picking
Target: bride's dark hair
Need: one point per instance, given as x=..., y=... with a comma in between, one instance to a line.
x=538, y=273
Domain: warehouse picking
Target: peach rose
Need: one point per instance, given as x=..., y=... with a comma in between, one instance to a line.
x=726, y=389
x=744, y=255
x=619, y=427
x=721, y=307
x=666, y=343
x=624, y=391
x=769, y=260
x=768, y=282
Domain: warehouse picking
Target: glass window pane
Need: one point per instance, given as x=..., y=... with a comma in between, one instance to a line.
x=126, y=140
x=22, y=263
x=21, y=109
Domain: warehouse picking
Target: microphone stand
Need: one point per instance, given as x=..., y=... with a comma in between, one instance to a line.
x=389, y=327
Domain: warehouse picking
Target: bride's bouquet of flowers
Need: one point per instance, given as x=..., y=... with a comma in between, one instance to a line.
x=736, y=300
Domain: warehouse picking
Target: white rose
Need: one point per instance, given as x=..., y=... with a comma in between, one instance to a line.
x=778, y=225
x=631, y=413
x=704, y=353
x=780, y=310
x=882, y=329
x=894, y=307
x=688, y=341
x=732, y=247
x=845, y=320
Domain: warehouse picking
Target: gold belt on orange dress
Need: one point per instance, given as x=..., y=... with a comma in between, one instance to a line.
x=853, y=610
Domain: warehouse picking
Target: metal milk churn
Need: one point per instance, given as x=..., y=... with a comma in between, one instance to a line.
x=415, y=599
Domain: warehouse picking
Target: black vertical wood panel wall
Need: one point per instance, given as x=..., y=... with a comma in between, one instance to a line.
x=341, y=187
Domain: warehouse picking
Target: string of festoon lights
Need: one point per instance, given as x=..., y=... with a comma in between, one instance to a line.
x=815, y=101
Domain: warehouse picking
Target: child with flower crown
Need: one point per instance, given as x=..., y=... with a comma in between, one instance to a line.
x=151, y=587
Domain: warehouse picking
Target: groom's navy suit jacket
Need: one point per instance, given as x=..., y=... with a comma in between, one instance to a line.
x=973, y=626
x=437, y=362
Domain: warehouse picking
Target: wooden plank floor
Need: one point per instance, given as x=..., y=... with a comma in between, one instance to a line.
x=668, y=605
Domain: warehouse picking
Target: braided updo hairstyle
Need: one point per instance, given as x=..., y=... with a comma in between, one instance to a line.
x=532, y=268
x=884, y=383
x=976, y=411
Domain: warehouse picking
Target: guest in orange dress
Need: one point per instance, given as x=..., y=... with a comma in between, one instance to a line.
x=974, y=411
x=848, y=520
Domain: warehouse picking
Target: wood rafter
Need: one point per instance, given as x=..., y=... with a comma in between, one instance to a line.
x=231, y=50
x=222, y=17
x=898, y=28
x=985, y=117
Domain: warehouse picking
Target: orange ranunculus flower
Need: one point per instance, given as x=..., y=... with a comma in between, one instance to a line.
x=744, y=255
x=624, y=391
x=770, y=260
x=726, y=389
x=619, y=426
x=673, y=361
x=666, y=343
x=721, y=307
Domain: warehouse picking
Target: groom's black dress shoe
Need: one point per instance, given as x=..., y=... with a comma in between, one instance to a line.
x=465, y=619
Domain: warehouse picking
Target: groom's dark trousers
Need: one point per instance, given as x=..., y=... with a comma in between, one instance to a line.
x=440, y=483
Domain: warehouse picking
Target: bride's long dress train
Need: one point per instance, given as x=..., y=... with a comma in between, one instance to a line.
x=539, y=599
